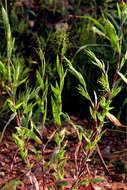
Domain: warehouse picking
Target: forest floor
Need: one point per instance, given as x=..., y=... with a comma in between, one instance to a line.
x=13, y=169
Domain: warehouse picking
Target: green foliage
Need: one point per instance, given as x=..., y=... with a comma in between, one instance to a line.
x=3, y=71
x=98, y=88
x=55, y=112
x=57, y=92
x=10, y=119
x=104, y=100
x=42, y=101
x=26, y=134
x=94, y=180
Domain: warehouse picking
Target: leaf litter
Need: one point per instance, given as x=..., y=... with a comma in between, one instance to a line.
x=14, y=173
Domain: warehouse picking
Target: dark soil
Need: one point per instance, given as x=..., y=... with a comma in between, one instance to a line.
x=113, y=150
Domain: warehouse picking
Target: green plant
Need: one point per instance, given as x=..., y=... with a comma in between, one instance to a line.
x=42, y=102
x=20, y=103
x=58, y=159
x=57, y=92
x=106, y=45
x=100, y=107
x=28, y=104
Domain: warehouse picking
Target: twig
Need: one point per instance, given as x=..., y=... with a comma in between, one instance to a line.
x=101, y=157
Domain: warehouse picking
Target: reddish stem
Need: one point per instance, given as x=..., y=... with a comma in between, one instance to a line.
x=114, y=82
x=42, y=168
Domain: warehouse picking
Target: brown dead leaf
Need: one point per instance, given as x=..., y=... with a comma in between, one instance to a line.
x=113, y=119
x=74, y=118
x=122, y=77
x=33, y=180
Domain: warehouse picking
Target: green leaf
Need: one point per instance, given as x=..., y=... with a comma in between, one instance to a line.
x=86, y=46
x=67, y=60
x=41, y=54
x=95, y=180
x=111, y=32
x=10, y=42
x=45, y=112
x=99, y=32
x=26, y=134
x=20, y=143
x=55, y=112
x=119, y=11
x=34, y=92
x=54, y=155
x=21, y=82
x=95, y=61
x=103, y=101
x=38, y=99
x=10, y=119
x=58, y=66
x=30, y=134
x=62, y=81
x=122, y=62
x=42, y=103
x=100, y=117
x=55, y=90
x=5, y=19
x=3, y=70
x=30, y=166
x=124, y=14
x=116, y=91
x=95, y=22
x=92, y=113
x=36, y=129
x=94, y=143
x=11, y=105
x=61, y=154
x=40, y=80
x=64, y=48
x=36, y=153
x=42, y=107
x=97, y=139
x=18, y=105
x=28, y=108
x=77, y=75
x=104, y=82
x=110, y=29
x=83, y=92
x=83, y=132
x=19, y=131
x=113, y=21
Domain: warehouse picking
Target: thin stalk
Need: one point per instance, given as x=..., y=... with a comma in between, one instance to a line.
x=42, y=168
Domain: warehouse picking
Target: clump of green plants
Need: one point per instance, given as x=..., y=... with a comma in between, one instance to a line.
x=101, y=105
x=19, y=103
x=22, y=103
x=23, y=100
